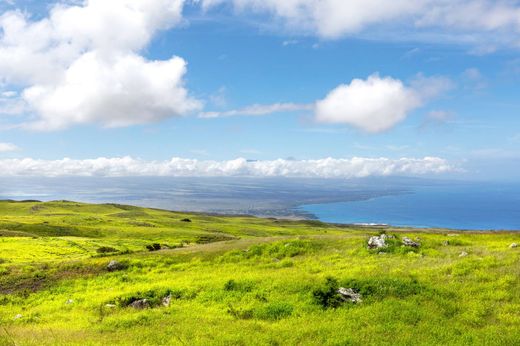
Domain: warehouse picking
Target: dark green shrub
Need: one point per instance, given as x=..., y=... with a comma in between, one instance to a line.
x=326, y=295
x=106, y=249
x=186, y=220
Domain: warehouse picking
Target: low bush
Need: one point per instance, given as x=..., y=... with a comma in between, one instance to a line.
x=106, y=249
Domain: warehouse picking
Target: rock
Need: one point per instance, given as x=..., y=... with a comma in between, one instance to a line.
x=349, y=295
x=409, y=242
x=377, y=242
x=113, y=266
x=514, y=245
x=111, y=306
x=69, y=301
x=166, y=300
x=140, y=304
x=445, y=243
x=463, y=254
x=17, y=317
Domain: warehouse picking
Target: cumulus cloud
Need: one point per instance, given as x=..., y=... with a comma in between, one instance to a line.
x=178, y=167
x=377, y=103
x=82, y=63
x=257, y=109
x=8, y=147
x=336, y=18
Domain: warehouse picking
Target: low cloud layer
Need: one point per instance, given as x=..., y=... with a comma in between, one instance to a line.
x=177, y=167
x=82, y=64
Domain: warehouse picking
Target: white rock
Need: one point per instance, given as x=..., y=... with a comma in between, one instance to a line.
x=463, y=254
x=348, y=295
x=409, y=242
x=17, y=317
x=377, y=242
x=512, y=246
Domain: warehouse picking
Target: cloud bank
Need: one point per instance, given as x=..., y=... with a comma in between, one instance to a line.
x=82, y=64
x=177, y=167
x=467, y=19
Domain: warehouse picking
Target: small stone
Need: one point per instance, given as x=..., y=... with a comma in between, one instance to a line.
x=445, y=243
x=166, y=300
x=514, y=245
x=409, y=242
x=17, y=317
x=69, y=301
x=140, y=304
x=463, y=254
x=111, y=306
x=349, y=295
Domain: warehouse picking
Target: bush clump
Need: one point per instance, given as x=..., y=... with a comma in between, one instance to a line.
x=326, y=295
x=106, y=249
x=154, y=247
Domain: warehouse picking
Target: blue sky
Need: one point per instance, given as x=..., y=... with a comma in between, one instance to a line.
x=459, y=87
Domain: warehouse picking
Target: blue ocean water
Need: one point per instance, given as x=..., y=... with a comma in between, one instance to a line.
x=468, y=206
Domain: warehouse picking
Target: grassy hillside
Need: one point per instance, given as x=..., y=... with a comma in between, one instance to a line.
x=245, y=281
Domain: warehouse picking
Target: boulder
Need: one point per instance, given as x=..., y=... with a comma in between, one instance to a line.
x=514, y=245
x=113, y=266
x=140, y=304
x=377, y=242
x=349, y=295
x=409, y=242
x=166, y=300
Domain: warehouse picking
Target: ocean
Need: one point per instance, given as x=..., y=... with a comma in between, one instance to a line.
x=464, y=206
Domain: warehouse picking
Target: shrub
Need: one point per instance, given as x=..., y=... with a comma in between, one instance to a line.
x=106, y=249
x=326, y=295
x=186, y=220
x=154, y=247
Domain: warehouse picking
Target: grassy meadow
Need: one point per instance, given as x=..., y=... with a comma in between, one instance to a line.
x=219, y=280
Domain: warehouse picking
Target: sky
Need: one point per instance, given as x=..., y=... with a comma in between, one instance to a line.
x=317, y=88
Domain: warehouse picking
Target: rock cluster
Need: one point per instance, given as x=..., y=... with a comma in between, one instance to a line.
x=349, y=295
x=140, y=304
x=409, y=242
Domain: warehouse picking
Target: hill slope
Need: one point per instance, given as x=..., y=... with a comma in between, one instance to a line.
x=243, y=280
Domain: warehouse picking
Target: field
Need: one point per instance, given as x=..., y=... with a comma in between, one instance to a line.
x=217, y=280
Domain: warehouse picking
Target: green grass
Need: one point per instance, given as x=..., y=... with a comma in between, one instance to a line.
x=245, y=281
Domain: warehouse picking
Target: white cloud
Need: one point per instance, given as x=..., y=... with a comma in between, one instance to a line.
x=376, y=104
x=81, y=64
x=322, y=168
x=257, y=110
x=8, y=147
x=335, y=18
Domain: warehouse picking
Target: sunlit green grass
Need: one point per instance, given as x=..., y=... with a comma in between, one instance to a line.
x=252, y=286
